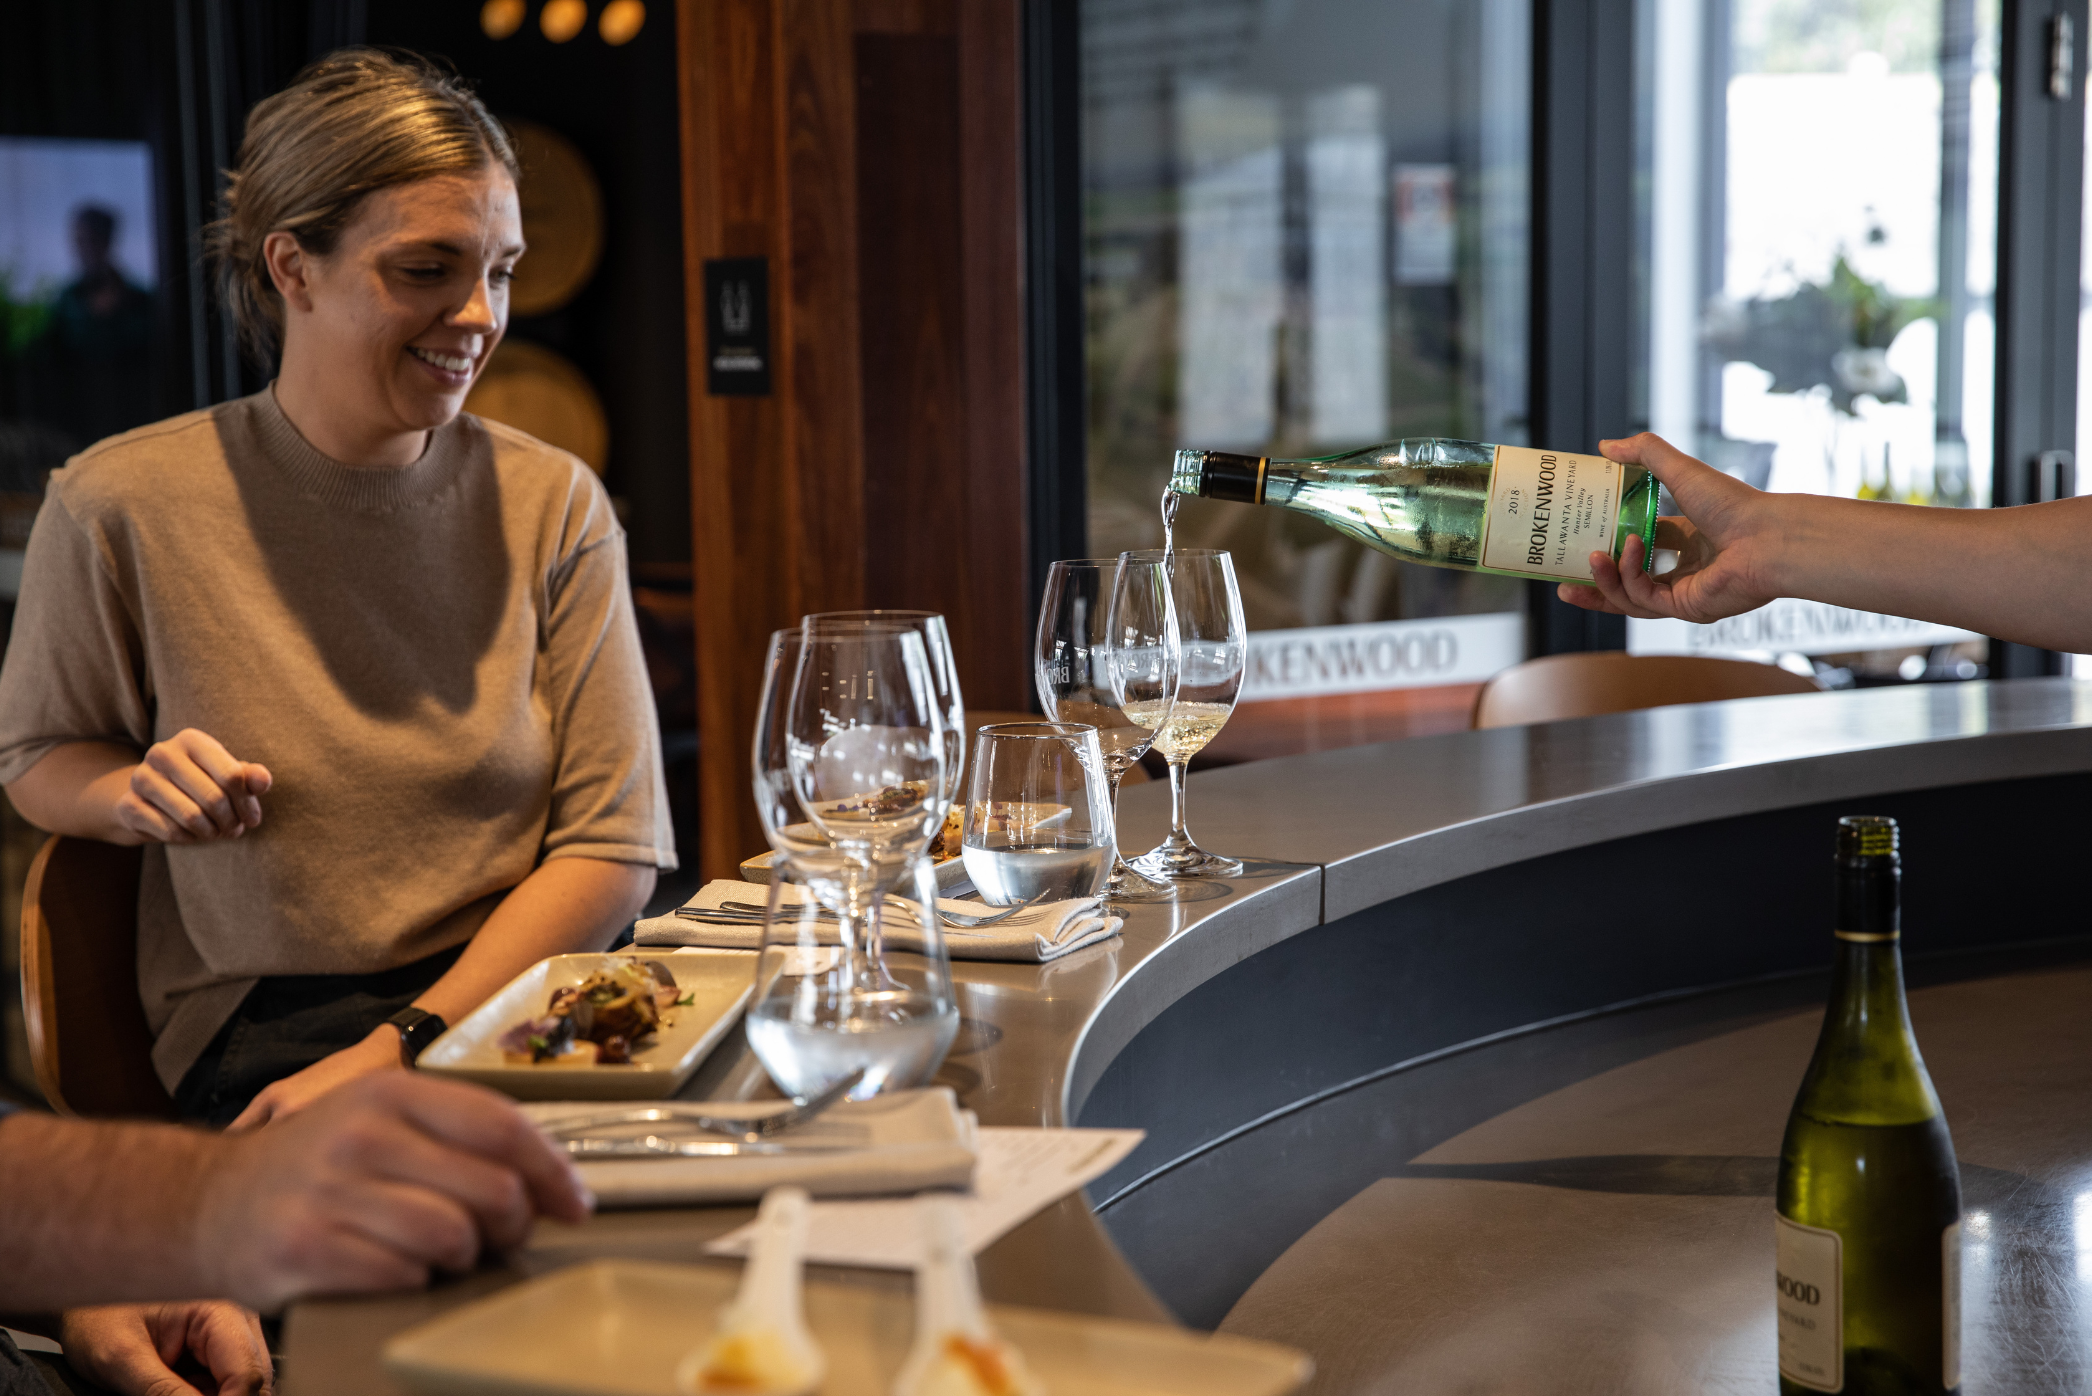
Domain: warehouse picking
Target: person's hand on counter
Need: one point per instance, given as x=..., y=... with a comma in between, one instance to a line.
x=2014, y=573
x=378, y=1185
x=136, y=1349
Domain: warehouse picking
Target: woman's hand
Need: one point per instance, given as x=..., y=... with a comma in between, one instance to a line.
x=190, y=789
x=1727, y=544
x=136, y=1349
x=378, y=1052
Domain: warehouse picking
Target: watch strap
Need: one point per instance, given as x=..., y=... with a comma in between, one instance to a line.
x=418, y=1029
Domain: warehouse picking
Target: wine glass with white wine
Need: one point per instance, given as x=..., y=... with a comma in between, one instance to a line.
x=1083, y=676
x=1213, y=643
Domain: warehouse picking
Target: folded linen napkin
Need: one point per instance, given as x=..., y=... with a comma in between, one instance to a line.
x=898, y=1143
x=1036, y=935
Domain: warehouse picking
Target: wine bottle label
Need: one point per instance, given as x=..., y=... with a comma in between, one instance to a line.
x=1950, y=1303
x=1549, y=511
x=1810, y=1304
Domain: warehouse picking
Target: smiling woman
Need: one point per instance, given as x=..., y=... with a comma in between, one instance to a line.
x=402, y=633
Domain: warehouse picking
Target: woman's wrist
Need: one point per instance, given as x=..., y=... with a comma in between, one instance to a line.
x=382, y=1046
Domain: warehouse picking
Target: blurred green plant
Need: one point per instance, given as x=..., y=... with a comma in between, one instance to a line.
x=1831, y=335
x=22, y=316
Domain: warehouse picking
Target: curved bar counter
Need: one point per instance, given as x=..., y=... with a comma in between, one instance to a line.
x=1436, y=944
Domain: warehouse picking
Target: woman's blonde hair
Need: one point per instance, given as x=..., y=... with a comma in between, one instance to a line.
x=358, y=120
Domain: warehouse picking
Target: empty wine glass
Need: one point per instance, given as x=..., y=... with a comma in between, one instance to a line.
x=829, y=1002
x=863, y=746
x=944, y=674
x=1214, y=650
x=1083, y=677
x=1037, y=824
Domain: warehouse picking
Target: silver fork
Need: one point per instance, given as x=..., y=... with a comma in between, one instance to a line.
x=748, y=1131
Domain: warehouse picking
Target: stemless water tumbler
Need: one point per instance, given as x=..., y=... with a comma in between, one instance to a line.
x=830, y=1001
x=1037, y=823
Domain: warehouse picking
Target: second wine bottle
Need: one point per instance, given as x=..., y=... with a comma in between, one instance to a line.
x=1869, y=1219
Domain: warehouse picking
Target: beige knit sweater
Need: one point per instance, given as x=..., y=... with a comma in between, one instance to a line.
x=437, y=663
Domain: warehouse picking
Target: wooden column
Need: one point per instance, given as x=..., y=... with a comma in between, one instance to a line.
x=870, y=152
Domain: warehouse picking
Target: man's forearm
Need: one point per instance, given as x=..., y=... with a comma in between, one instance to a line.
x=566, y=905
x=2016, y=573
x=95, y=1213
x=74, y=790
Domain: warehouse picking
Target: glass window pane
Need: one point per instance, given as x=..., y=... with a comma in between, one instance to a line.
x=1821, y=233
x=1306, y=231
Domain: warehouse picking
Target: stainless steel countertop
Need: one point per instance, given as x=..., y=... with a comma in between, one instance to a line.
x=1331, y=834
x=1368, y=824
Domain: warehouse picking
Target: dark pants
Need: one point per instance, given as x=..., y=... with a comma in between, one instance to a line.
x=286, y=1024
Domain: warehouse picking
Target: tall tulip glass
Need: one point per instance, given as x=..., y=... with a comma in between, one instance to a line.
x=1107, y=640
x=1214, y=642
x=944, y=674
x=849, y=765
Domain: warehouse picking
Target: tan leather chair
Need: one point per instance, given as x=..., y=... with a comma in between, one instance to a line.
x=991, y=717
x=88, y=1041
x=1584, y=685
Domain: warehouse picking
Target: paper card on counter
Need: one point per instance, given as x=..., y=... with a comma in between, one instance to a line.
x=1020, y=1172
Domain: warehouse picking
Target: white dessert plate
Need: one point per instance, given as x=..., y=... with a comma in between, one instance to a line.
x=619, y=1327
x=718, y=980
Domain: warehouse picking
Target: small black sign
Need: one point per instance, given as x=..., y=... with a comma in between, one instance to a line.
x=737, y=327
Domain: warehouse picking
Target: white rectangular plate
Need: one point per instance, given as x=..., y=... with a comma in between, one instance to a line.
x=619, y=1327
x=951, y=872
x=721, y=981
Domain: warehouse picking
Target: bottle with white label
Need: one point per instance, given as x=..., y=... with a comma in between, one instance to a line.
x=1869, y=1213
x=1509, y=510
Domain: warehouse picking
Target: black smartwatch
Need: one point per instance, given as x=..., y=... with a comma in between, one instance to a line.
x=418, y=1028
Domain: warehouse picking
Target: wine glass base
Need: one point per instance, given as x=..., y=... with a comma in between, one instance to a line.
x=1126, y=885
x=1184, y=864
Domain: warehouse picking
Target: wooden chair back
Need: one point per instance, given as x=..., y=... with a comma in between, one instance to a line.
x=1584, y=685
x=88, y=1039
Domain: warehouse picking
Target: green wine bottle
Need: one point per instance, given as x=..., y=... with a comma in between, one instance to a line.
x=1869, y=1211
x=1508, y=510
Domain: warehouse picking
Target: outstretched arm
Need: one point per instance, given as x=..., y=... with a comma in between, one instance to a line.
x=2017, y=573
x=375, y=1188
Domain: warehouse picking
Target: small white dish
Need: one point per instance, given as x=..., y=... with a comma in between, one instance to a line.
x=621, y=1327
x=719, y=982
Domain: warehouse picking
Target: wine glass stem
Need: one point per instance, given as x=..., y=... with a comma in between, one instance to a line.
x=1117, y=775
x=1179, y=836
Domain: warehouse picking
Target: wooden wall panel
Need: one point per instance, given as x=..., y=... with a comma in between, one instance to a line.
x=743, y=572
x=994, y=545
x=887, y=466
x=939, y=259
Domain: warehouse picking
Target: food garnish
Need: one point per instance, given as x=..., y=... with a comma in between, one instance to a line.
x=603, y=1019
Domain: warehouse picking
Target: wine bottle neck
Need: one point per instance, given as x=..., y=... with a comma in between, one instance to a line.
x=1869, y=907
x=1220, y=475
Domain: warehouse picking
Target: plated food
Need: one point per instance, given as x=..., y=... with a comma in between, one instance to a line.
x=600, y=1020
x=516, y=1042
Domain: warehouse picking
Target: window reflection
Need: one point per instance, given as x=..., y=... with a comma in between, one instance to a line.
x=1305, y=231
x=77, y=273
